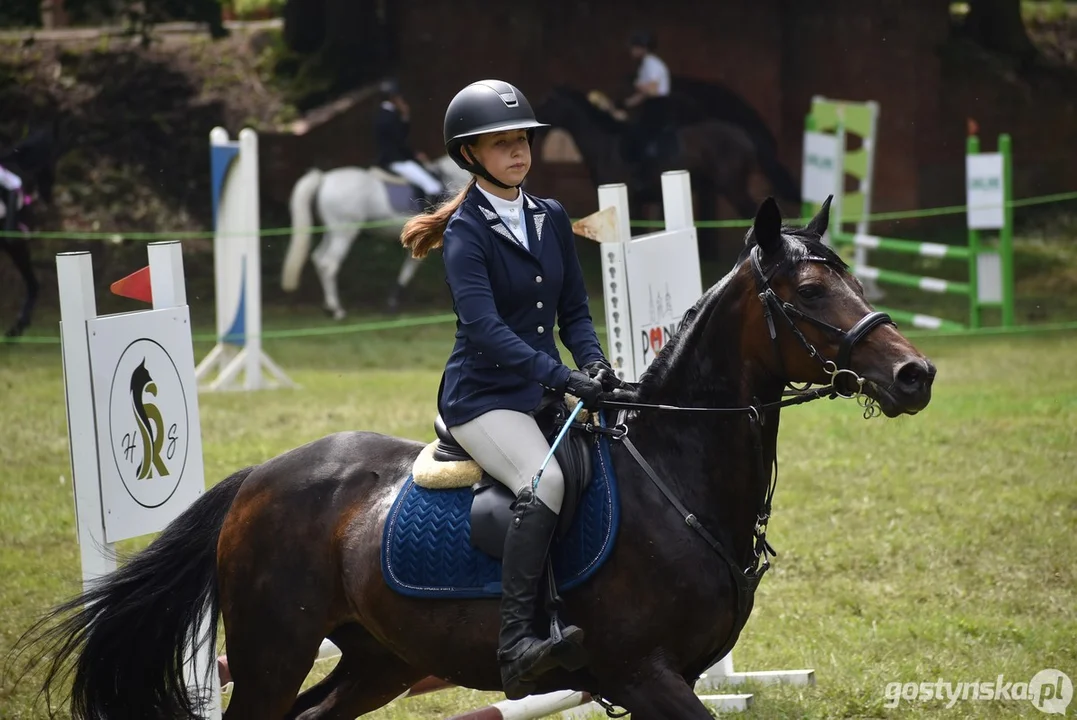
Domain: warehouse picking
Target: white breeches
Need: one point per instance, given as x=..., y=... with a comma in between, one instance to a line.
x=509, y=445
x=416, y=174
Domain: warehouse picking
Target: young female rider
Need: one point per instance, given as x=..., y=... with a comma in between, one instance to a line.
x=511, y=266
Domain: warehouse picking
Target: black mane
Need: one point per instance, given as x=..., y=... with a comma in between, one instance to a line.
x=799, y=244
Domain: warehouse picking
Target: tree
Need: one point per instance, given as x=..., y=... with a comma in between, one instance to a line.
x=998, y=26
x=345, y=43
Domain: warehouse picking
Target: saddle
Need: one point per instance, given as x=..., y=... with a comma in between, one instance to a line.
x=404, y=197
x=491, y=513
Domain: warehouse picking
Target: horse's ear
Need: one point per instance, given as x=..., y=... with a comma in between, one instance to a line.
x=819, y=223
x=767, y=228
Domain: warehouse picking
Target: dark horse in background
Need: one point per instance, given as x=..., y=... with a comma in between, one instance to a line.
x=33, y=159
x=289, y=551
x=720, y=157
x=694, y=100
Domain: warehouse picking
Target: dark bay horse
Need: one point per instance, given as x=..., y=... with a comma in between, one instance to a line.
x=288, y=550
x=720, y=157
x=694, y=100
x=33, y=159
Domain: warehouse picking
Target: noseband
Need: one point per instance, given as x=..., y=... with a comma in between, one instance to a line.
x=844, y=380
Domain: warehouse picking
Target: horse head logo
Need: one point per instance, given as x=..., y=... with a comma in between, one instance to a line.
x=151, y=425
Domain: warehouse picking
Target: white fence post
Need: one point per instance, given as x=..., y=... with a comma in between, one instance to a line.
x=113, y=366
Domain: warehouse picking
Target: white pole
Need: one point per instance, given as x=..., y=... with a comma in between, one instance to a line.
x=166, y=274
x=677, y=200
x=615, y=284
x=170, y=290
x=248, y=179
x=74, y=275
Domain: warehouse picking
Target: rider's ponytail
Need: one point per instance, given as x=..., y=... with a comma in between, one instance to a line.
x=424, y=232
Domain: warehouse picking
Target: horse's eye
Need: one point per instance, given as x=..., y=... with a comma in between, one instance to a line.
x=812, y=291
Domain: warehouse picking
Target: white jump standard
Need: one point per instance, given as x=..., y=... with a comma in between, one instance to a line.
x=237, y=267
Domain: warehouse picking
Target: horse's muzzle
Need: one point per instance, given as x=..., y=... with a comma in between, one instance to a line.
x=910, y=390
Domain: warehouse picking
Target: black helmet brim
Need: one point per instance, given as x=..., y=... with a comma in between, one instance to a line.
x=500, y=127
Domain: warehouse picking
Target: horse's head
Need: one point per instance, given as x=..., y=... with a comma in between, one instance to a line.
x=811, y=322
x=572, y=110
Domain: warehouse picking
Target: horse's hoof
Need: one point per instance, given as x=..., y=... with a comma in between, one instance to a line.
x=334, y=313
x=17, y=329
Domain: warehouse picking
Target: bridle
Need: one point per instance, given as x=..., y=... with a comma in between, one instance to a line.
x=844, y=383
x=843, y=380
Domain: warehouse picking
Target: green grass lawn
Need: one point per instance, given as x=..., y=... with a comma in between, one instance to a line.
x=911, y=550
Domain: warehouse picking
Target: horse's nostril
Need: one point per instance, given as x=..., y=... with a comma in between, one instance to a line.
x=915, y=374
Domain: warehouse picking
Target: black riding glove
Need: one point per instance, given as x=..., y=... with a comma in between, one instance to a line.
x=601, y=371
x=586, y=388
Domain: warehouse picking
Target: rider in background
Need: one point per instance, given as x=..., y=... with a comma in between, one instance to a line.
x=392, y=125
x=512, y=270
x=651, y=96
x=10, y=198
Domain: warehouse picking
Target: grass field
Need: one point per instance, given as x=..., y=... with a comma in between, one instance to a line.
x=912, y=550
x=938, y=547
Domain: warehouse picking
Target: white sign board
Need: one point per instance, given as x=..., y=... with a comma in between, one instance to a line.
x=821, y=167
x=986, y=197
x=988, y=277
x=149, y=442
x=664, y=282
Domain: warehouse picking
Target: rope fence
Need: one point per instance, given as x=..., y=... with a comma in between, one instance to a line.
x=396, y=323
x=599, y=329
x=117, y=236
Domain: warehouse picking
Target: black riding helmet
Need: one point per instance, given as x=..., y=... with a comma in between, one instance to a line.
x=483, y=107
x=643, y=39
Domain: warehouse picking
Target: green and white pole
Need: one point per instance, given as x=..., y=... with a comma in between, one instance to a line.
x=990, y=206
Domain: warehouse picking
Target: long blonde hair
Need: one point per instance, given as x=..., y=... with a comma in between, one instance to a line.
x=425, y=232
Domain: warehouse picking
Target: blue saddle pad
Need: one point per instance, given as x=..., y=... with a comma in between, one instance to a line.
x=426, y=548
x=403, y=198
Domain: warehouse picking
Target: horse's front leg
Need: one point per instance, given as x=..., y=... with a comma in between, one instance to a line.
x=659, y=693
x=407, y=272
x=19, y=250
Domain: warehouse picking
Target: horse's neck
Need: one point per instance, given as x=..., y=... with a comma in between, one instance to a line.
x=711, y=459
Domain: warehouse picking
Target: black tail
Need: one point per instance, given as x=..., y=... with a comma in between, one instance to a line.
x=128, y=635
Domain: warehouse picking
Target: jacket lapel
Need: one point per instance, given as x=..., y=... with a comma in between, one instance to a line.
x=536, y=221
x=494, y=222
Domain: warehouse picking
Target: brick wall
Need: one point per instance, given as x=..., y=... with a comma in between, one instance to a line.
x=776, y=53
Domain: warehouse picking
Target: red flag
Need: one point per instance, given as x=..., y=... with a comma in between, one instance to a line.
x=135, y=286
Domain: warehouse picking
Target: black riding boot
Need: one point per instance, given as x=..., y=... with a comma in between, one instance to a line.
x=11, y=210
x=524, y=656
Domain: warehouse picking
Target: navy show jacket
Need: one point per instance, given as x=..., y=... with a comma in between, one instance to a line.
x=506, y=299
x=391, y=132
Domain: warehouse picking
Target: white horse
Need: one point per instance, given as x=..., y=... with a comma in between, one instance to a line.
x=345, y=198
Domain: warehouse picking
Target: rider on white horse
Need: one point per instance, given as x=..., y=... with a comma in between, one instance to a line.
x=10, y=201
x=394, y=152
